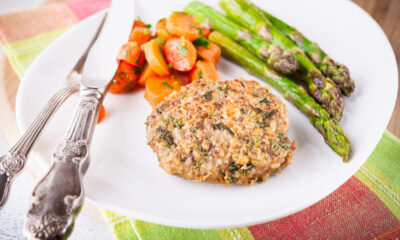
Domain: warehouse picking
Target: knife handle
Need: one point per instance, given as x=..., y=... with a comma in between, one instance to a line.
x=13, y=162
x=59, y=196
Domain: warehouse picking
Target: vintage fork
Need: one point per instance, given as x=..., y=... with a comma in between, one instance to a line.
x=13, y=162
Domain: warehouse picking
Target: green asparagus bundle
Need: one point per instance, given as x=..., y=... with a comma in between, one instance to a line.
x=322, y=88
x=278, y=59
x=339, y=73
x=330, y=130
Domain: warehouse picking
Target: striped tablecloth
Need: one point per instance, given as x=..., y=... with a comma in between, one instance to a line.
x=367, y=206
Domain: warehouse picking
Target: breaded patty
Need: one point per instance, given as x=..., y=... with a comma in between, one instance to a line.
x=232, y=131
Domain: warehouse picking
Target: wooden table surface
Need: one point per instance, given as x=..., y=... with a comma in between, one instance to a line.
x=387, y=14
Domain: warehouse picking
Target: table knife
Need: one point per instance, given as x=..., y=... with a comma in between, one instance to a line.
x=58, y=197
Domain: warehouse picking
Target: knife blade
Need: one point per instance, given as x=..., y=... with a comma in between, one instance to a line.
x=101, y=62
x=58, y=197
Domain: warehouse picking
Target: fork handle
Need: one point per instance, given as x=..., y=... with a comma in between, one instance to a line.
x=59, y=196
x=13, y=162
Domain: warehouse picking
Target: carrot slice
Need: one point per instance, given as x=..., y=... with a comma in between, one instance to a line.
x=161, y=29
x=138, y=23
x=125, y=78
x=146, y=74
x=140, y=35
x=204, y=70
x=181, y=54
x=102, y=114
x=212, y=53
x=183, y=25
x=157, y=88
x=130, y=52
x=155, y=58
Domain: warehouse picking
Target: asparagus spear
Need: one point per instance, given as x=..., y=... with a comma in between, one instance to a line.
x=339, y=73
x=322, y=88
x=281, y=60
x=329, y=129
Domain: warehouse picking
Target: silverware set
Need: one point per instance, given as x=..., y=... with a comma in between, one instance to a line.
x=59, y=195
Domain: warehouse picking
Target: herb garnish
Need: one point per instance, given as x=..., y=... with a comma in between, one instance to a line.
x=200, y=74
x=167, y=85
x=198, y=28
x=221, y=126
x=268, y=115
x=166, y=136
x=201, y=41
x=182, y=49
x=265, y=101
x=159, y=40
x=169, y=65
x=207, y=96
x=178, y=123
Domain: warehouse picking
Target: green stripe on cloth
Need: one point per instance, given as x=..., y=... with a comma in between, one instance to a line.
x=384, y=155
x=119, y=225
x=21, y=54
x=382, y=186
x=149, y=231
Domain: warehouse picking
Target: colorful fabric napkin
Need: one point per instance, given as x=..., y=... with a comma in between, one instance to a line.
x=367, y=206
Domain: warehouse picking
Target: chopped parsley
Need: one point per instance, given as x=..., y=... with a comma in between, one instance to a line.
x=268, y=115
x=258, y=110
x=167, y=85
x=203, y=152
x=221, y=126
x=182, y=50
x=201, y=41
x=249, y=166
x=128, y=87
x=169, y=65
x=126, y=52
x=199, y=57
x=198, y=28
x=138, y=59
x=265, y=101
x=166, y=136
x=200, y=74
x=207, y=96
x=183, y=159
x=232, y=171
x=146, y=31
x=242, y=111
x=136, y=71
x=159, y=40
x=161, y=52
x=262, y=124
x=148, y=26
x=118, y=74
x=178, y=123
x=255, y=94
x=282, y=138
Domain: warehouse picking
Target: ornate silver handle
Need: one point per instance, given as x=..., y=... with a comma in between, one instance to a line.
x=58, y=197
x=12, y=163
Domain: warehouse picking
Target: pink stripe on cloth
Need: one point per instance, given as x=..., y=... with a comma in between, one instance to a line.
x=352, y=210
x=83, y=9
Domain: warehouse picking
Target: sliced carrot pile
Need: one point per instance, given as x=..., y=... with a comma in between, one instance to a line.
x=204, y=70
x=175, y=54
x=157, y=88
x=102, y=114
x=211, y=53
x=180, y=53
x=125, y=78
x=155, y=58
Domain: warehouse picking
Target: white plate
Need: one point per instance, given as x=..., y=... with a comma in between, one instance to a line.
x=124, y=175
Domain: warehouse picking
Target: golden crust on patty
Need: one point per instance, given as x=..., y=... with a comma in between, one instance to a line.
x=232, y=131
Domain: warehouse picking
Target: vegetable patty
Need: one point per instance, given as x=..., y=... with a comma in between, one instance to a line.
x=231, y=131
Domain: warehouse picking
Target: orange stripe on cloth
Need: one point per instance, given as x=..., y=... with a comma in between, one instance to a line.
x=350, y=211
x=392, y=234
x=27, y=24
